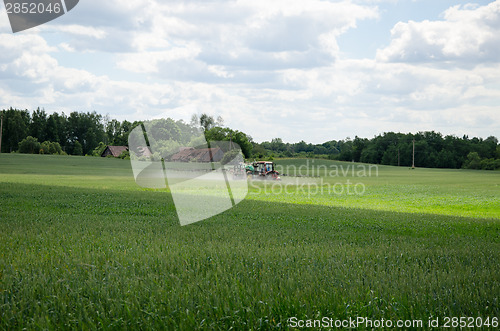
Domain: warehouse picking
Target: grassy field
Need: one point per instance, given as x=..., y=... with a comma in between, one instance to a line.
x=82, y=246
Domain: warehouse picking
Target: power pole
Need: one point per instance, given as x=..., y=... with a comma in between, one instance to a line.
x=1, y=131
x=413, y=155
x=398, y=156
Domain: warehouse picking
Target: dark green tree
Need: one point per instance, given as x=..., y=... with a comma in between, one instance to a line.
x=77, y=149
x=226, y=134
x=207, y=122
x=15, y=128
x=38, y=125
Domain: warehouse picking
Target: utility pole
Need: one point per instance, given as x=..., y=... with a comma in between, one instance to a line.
x=413, y=155
x=1, y=131
x=398, y=156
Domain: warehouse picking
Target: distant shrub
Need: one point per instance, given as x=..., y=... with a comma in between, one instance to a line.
x=99, y=149
x=44, y=148
x=49, y=147
x=29, y=145
x=125, y=155
x=473, y=161
x=490, y=164
x=78, y=149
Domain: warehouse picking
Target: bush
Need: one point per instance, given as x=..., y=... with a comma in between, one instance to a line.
x=473, y=161
x=55, y=148
x=125, y=155
x=78, y=150
x=99, y=149
x=49, y=147
x=490, y=164
x=29, y=145
x=44, y=147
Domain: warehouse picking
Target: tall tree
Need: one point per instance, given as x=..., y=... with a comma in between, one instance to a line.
x=38, y=125
x=15, y=128
x=226, y=134
x=207, y=122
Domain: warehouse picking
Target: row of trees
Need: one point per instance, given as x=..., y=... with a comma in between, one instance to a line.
x=432, y=150
x=88, y=133
x=77, y=133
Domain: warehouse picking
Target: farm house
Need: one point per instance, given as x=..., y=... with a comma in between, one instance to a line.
x=115, y=151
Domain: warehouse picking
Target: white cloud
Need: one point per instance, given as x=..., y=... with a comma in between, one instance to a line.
x=269, y=68
x=80, y=30
x=66, y=47
x=468, y=34
x=148, y=62
x=255, y=35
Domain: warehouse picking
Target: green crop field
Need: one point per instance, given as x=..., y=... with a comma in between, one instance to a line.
x=83, y=247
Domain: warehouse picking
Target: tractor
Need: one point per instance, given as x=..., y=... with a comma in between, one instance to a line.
x=262, y=170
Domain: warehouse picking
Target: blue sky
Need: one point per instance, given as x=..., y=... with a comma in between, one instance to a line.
x=301, y=70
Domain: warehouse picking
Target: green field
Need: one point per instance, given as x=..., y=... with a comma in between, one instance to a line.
x=83, y=247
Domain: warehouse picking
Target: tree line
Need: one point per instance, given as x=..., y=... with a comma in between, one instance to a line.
x=432, y=150
x=78, y=133
x=88, y=133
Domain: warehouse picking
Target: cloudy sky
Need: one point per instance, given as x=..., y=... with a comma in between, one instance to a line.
x=296, y=69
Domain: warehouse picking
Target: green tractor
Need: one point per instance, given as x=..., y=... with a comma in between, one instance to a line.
x=262, y=170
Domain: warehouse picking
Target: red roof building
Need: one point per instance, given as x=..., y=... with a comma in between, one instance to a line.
x=115, y=151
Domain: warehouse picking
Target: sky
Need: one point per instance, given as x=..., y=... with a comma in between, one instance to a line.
x=296, y=69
